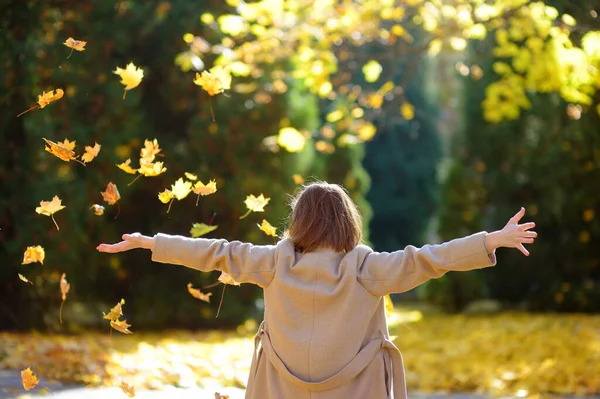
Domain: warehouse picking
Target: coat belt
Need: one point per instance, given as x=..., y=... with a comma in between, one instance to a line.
x=364, y=357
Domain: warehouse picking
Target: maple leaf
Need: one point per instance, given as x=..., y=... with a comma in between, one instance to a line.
x=28, y=379
x=196, y=293
x=297, y=178
x=125, y=166
x=219, y=396
x=61, y=152
x=64, y=290
x=23, y=278
x=191, y=176
x=115, y=312
x=181, y=189
x=202, y=189
x=34, y=254
x=48, y=208
x=45, y=99
x=214, y=81
x=112, y=196
x=200, y=229
x=98, y=209
x=151, y=169
x=255, y=204
x=91, y=152
x=150, y=150
x=131, y=76
x=69, y=145
x=121, y=326
x=267, y=228
x=78, y=45
x=128, y=389
x=165, y=196
x=227, y=279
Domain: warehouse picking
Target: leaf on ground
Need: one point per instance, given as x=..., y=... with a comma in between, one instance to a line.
x=28, y=379
x=200, y=229
x=196, y=293
x=34, y=254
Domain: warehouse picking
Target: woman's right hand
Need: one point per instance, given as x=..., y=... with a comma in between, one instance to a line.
x=130, y=241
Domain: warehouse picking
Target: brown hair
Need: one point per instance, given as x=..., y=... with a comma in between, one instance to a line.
x=324, y=216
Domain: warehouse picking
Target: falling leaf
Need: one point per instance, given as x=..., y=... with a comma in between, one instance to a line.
x=389, y=305
x=131, y=76
x=78, y=45
x=196, y=293
x=45, y=99
x=23, y=278
x=267, y=228
x=181, y=189
x=69, y=145
x=128, y=389
x=219, y=396
x=48, y=208
x=407, y=111
x=255, y=204
x=125, y=166
x=151, y=169
x=91, y=152
x=98, y=209
x=227, y=279
x=297, y=179
x=121, y=326
x=111, y=195
x=61, y=152
x=200, y=229
x=34, y=254
x=191, y=176
x=291, y=139
x=214, y=81
x=115, y=312
x=202, y=189
x=28, y=379
x=64, y=290
x=372, y=70
x=150, y=150
x=165, y=196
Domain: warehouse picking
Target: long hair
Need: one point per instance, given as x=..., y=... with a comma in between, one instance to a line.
x=324, y=216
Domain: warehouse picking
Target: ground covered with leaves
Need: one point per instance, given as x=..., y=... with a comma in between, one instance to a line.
x=514, y=354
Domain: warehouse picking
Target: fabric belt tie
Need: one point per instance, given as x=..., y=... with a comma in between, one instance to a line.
x=364, y=357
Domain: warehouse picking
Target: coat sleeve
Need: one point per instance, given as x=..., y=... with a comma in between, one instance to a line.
x=245, y=262
x=383, y=273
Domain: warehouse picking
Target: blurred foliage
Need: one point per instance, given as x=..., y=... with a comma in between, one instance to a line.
x=509, y=355
x=547, y=161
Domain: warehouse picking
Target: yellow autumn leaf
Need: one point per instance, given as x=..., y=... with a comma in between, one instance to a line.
x=131, y=76
x=372, y=70
x=91, y=152
x=297, y=178
x=128, y=389
x=64, y=290
x=24, y=279
x=73, y=44
x=151, y=169
x=98, y=209
x=49, y=208
x=115, y=312
x=150, y=151
x=291, y=139
x=200, y=229
x=205, y=189
x=181, y=189
x=121, y=326
x=214, y=81
x=61, y=152
x=255, y=204
x=191, y=176
x=126, y=167
x=407, y=111
x=196, y=293
x=267, y=228
x=28, y=379
x=227, y=279
x=69, y=145
x=165, y=196
x=34, y=254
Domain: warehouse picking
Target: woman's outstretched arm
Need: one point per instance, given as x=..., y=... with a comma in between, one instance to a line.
x=383, y=273
x=245, y=262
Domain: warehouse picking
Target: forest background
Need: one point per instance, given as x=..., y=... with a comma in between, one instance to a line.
x=440, y=118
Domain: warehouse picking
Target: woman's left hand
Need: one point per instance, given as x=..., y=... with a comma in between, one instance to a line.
x=130, y=241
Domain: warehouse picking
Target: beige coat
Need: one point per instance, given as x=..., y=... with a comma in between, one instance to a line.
x=325, y=334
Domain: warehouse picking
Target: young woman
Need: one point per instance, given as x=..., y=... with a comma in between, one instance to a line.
x=324, y=334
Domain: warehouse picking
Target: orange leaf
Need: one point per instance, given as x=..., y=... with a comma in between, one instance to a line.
x=196, y=293
x=78, y=45
x=34, y=254
x=28, y=379
x=121, y=326
x=98, y=209
x=46, y=98
x=61, y=152
x=202, y=189
x=91, y=152
x=23, y=278
x=69, y=145
x=111, y=195
x=64, y=286
x=128, y=389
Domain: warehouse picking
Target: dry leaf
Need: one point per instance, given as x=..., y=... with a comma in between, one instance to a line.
x=61, y=152
x=45, y=99
x=128, y=389
x=165, y=196
x=227, y=279
x=98, y=209
x=91, y=152
x=121, y=326
x=115, y=312
x=196, y=293
x=28, y=379
x=202, y=189
x=255, y=204
x=69, y=145
x=112, y=196
x=150, y=150
x=34, y=254
x=78, y=45
x=214, y=81
x=64, y=290
x=267, y=228
x=48, y=208
x=151, y=169
x=131, y=76
x=125, y=166
x=181, y=189
x=23, y=278
x=200, y=229
x=191, y=176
